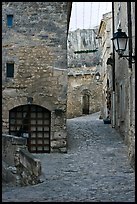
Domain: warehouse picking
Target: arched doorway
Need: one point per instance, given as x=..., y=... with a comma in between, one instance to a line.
x=32, y=122
x=85, y=109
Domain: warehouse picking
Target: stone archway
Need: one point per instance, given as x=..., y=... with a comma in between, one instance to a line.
x=32, y=122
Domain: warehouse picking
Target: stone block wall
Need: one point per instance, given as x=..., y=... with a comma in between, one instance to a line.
x=19, y=167
x=83, y=82
x=104, y=37
x=83, y=40
x=28, y=168
x=37, y=45
x=125, y=81
x=10, y=144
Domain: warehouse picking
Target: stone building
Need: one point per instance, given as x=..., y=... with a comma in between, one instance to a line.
x=84, y=91
x=118, y=73
x=104, y=39
x=34, y=73
x=124, y=78
x=83, y=48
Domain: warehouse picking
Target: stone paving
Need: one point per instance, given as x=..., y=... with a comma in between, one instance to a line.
x=95, y=169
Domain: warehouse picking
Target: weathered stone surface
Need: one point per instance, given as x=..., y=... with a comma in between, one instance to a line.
x=82, y=81
x=28, y=168
x=95, y=169
x=19, y=167
x=10, y=145
x=125, y=81
x=37, y=45
x=7, y=175
x=83, y=40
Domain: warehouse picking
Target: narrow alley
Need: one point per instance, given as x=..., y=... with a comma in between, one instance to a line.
x=95, y=169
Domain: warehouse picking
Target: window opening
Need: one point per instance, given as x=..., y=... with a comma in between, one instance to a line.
x=10, y=70
x=122, y=102
x=9, y=20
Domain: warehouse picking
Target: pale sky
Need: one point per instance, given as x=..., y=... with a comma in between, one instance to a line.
x=86, y=15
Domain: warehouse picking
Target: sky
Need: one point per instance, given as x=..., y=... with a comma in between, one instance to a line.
x=87, y=15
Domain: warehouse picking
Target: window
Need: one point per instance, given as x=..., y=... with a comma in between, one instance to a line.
x=9, y=20
x=122, y=102
x=10, y=70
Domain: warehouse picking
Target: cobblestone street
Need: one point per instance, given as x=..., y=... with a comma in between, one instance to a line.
x=95, y=169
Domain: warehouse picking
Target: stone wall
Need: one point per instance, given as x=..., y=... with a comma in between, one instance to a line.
x=37, y=45
x=104, y=38
x=83, y=40
x=19, y=167
x=28, y=168
x=125, y=82
x=82, y=82
x=9, y=147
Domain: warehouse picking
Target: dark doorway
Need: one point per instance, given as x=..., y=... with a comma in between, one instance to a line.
x=32, y=122
x=85, y=109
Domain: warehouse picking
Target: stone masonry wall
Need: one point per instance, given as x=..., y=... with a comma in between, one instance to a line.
x=80, y=82
x=125, y=82
x=36, y=44
x=19, y=167
x=83, y=40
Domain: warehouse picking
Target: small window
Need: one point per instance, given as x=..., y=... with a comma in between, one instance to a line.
x=9, y=20
x=10, y=70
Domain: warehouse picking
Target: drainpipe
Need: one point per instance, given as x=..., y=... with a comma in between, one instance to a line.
x=113, y=72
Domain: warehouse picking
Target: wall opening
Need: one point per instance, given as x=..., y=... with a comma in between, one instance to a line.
x=85, y=109
x=32, y=122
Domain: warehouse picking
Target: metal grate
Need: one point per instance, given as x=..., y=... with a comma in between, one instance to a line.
x=32, y=122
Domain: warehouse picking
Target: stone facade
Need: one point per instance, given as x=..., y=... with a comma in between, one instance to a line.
x=104, y=40
x=83, y=40
x=119, y=75
x=84, y=92
x=36, y=44
x=125, y=80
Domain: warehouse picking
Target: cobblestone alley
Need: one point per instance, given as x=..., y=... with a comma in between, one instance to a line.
x=95, y=169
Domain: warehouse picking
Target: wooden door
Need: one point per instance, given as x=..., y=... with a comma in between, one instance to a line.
x=32, y=122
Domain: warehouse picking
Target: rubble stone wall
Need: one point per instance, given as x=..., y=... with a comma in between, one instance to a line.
x=36, y=43
x=125, y=82
x=19, y=167
x=83, y=40
x=81, y=82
